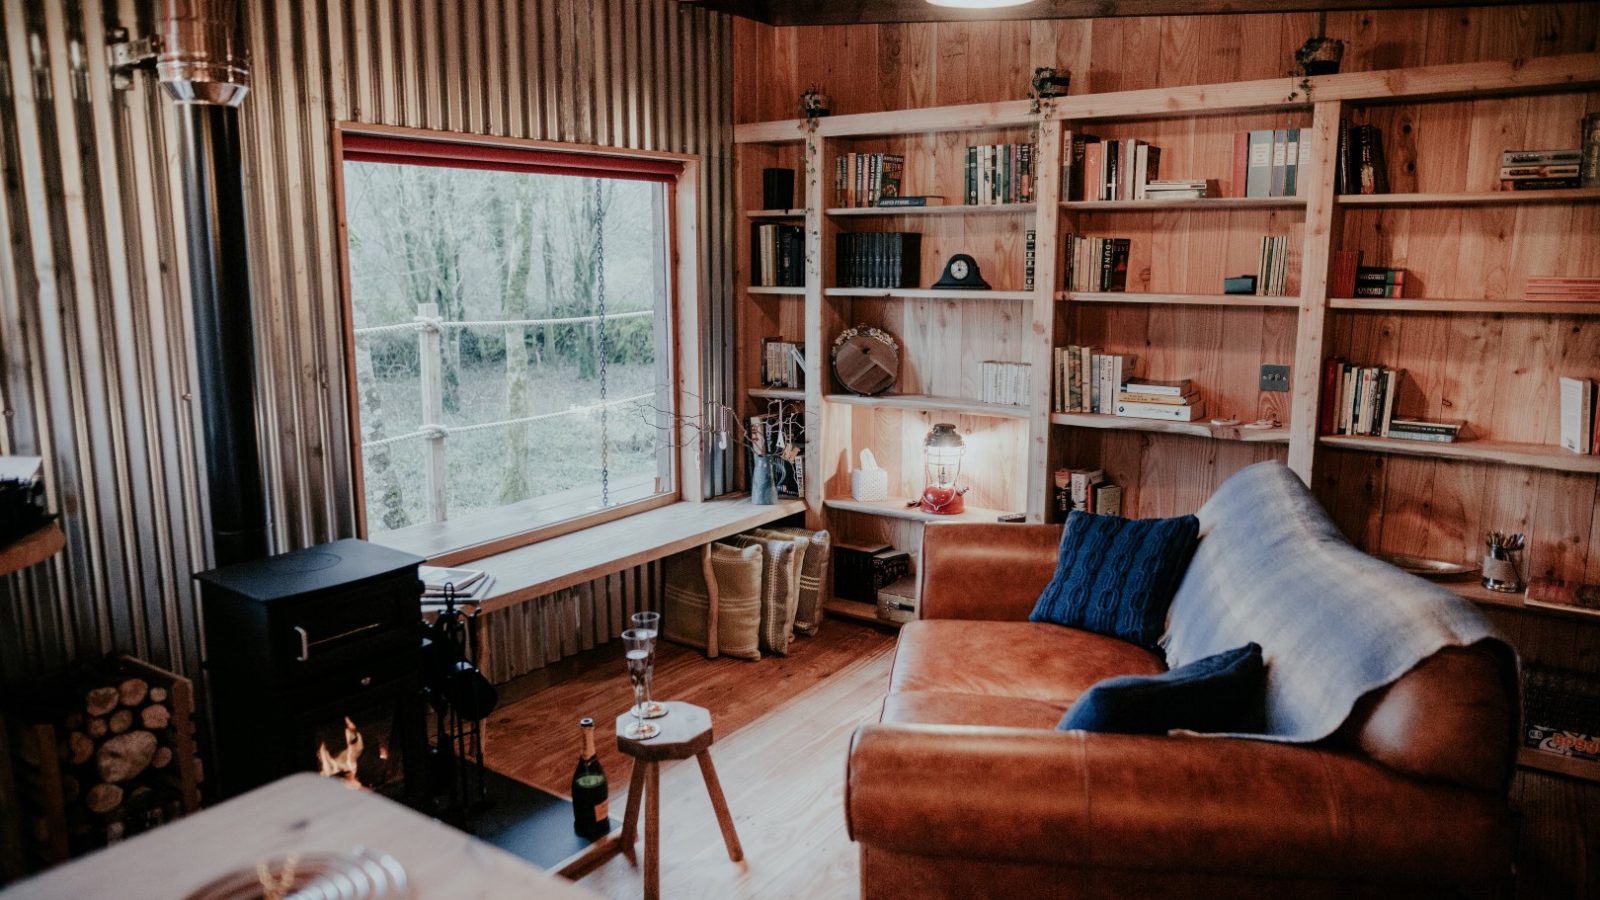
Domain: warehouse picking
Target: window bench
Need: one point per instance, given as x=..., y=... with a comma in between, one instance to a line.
x=572, y=559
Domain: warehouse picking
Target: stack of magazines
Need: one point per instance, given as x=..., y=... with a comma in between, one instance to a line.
x=438, y=583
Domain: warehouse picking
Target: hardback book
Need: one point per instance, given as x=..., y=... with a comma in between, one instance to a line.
x=1342, y=273
x=1177, y=388
x=1108, y=500
x=1082, y=487
x=1280, y=160
x=1241, y=165
x=1589, y=161
x=1293, y=147
x=1539, y=184
x=911, y=200
x=1428, y=426
x=1162, y=411
x=1258, y=177
x=1164, y=399
x=1407, y=434
x=1520, y=173
x=435, y=578
x=1577, y=414
x=1539, y=157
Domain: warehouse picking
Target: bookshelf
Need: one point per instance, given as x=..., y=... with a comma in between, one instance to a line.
x=1476, y=352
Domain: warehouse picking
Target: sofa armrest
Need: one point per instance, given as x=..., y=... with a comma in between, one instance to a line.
x=1183, y=804
x=985, y=570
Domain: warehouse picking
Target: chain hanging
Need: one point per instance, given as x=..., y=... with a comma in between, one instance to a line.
x=605, y=344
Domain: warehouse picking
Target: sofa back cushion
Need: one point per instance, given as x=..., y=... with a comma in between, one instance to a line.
x=1352, y=645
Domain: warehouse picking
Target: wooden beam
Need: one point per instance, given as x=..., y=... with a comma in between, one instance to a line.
x=864, y=12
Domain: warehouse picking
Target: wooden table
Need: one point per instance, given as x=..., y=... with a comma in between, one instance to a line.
x=299, y=813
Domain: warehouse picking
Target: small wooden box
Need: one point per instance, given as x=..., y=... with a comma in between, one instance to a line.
x=898, y=602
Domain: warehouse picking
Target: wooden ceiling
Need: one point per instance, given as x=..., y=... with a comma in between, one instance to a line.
x=855, y=12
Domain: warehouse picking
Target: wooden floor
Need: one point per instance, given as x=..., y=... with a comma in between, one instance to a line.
x=782, y=726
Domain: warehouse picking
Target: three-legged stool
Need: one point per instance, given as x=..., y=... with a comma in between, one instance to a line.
x=685, y=732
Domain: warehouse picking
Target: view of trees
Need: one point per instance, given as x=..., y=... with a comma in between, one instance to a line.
x=495, y=250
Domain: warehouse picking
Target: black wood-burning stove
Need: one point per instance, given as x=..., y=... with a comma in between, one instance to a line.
x=314, y=659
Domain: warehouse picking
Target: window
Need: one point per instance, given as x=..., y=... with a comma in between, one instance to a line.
x=511, y=309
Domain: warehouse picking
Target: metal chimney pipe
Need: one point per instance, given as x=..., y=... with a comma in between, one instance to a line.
x=202, y=65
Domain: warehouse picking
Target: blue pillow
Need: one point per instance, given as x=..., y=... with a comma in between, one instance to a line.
x=1222, y=693
x=1116, y=576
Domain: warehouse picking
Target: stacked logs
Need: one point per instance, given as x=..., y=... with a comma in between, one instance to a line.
x=109, y=755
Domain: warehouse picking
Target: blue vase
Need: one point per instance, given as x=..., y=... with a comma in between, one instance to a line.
x=763, y=489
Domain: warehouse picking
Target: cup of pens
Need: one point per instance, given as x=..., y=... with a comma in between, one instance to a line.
x=1502, y=562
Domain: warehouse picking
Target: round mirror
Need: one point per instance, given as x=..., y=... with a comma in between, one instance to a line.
x=866, y=360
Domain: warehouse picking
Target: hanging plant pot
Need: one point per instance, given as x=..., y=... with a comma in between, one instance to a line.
x=1319, y=56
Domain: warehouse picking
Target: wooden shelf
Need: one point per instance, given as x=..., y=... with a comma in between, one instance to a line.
x=1176, y=299
x=1473, y=589
x=778, y=393
x=927, y=293
x=897, y=508
x=1536, y=456
x=857, y=611
x=775, y=213
x=1495, y=307
x=1476, y=198
x=928, y=402
x=1106, y=422
x=1530, y=758
x=1220, y=203
x=776, y=291
x=956, y=209
x=32, y=549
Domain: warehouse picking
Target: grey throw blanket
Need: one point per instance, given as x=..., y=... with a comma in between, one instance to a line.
x=1333, y=622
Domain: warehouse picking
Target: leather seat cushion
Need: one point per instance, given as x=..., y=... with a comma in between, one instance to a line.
x=1023, y=674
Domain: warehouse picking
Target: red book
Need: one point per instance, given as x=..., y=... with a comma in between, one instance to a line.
x=1241, y=164
x=1328, y=417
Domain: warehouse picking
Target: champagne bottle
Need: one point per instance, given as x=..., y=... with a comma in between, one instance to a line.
x=590, y=793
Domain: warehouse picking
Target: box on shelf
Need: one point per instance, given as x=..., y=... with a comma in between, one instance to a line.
x=897, y=602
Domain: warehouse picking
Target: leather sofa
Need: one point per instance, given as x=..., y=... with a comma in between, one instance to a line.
x=965, y=788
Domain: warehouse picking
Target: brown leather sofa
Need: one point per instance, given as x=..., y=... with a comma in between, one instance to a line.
x=965, y=788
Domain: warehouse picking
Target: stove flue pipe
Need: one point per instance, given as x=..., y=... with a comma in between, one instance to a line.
x=201, y=62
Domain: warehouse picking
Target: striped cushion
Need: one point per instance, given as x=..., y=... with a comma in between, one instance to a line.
x=780, y=588
x=1116, y=576
x=686, y=603
x=813, y=572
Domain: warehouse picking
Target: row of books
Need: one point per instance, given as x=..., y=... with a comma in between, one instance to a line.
x=1272, y=279
x=1543, y=287
x=777, y=255
x=1580, y=426
x=440, y=584
x=783, y=363
x=1361, y=169
x=1536, y=170
x=1087, y=490
x=864, y=179
x=1096, y=263
x=1087, y=380
x=1097, y=169
x=1361, y=400
x=1267, y=163
x=878, y=259
x=999, y=173
x=1006, y=383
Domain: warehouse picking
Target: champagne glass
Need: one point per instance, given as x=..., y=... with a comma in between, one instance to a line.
x=651, y=622
x=640, y=647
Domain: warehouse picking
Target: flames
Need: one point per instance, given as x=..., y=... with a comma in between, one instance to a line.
x=344, y=765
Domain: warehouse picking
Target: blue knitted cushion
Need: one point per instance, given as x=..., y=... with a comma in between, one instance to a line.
x=1221, y=693
x=1116, y=576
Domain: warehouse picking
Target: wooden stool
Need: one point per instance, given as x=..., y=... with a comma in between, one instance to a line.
x=685, y=732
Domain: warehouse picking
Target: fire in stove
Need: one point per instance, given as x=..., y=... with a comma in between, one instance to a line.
x=345, y=764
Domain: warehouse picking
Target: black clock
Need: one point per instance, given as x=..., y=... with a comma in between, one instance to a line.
x=962, y=272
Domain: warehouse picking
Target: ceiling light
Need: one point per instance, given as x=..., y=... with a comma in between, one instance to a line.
x=978, y=4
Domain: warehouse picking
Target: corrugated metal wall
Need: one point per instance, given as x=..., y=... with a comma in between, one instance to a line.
x=94, y=313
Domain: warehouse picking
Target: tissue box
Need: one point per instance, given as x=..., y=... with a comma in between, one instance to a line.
x=869, y=484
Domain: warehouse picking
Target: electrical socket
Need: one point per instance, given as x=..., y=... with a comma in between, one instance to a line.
x=1275, y=378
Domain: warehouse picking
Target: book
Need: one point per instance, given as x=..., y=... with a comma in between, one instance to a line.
x=1082, y=485
x=1176, y=388
x=1519, y=173
x=1342, y=273
x=1539, y=157
x=435, y=578
x=1538, y=184
x=1162, y=411
x=1167, y=399
x=1293, y=147
x=1428, y=426
x=1258, y=176
x=1107, y=500
x=1589, y=155
x=1241, y=164
x=895, y=201
x=1280, y=159
x=1577, y=414
x=1030, y=253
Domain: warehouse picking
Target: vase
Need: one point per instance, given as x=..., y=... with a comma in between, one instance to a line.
x=763, y=487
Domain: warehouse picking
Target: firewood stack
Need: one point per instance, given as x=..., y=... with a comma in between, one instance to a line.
x=101, y=754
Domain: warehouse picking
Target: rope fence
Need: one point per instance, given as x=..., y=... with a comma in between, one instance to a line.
x=435, y=324
x=443, y=431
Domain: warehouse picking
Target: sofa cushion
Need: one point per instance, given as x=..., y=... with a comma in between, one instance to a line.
x=1026, y=660
x=1215, y=694
x=1116, y=576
